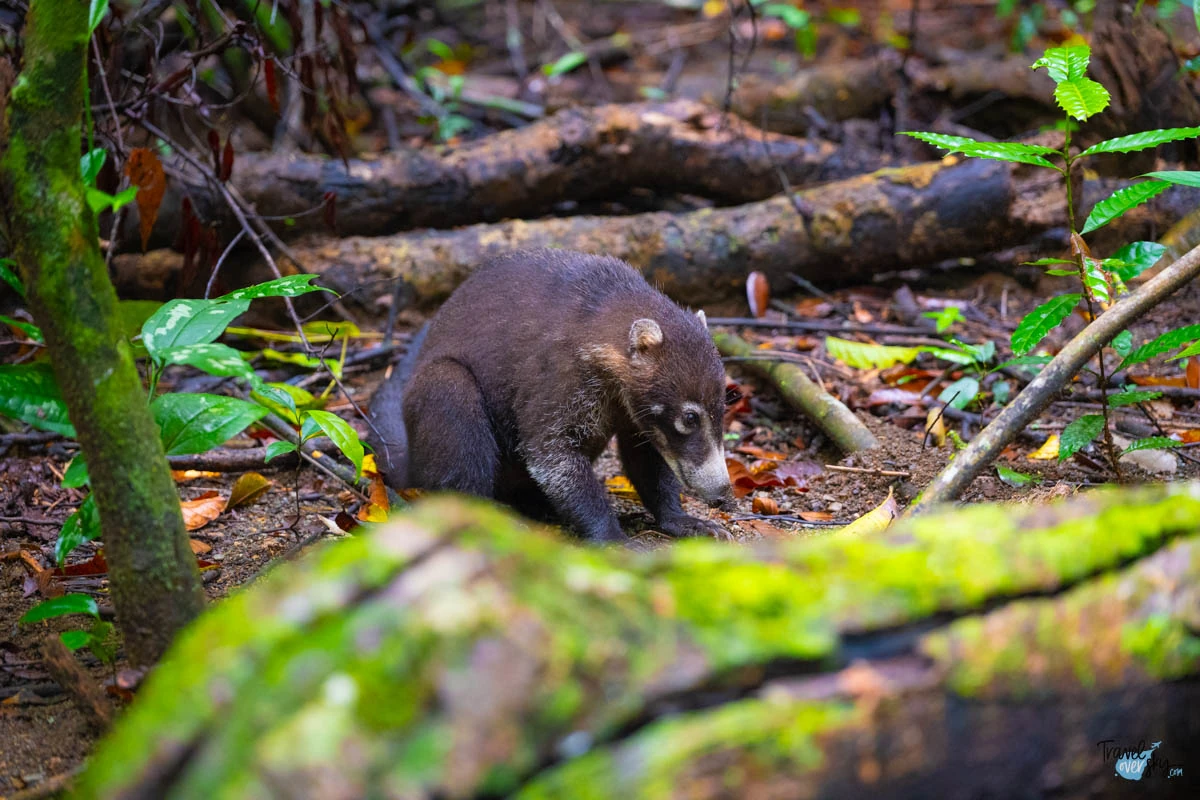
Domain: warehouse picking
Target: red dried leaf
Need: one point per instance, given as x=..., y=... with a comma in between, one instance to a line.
x=96, y=565
x=330, y=211
x=145, y=171
x=227, y=161
x=758, y=293
x=272, y=84
x=214, y=144
x=1192, y=373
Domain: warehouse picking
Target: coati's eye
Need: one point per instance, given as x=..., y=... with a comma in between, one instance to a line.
x=691, y=419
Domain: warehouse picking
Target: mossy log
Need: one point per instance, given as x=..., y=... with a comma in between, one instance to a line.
x=580, y=154
x=455, y=652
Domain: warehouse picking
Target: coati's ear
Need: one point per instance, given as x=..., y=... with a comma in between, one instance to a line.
x=644, y=334
x=703, y=319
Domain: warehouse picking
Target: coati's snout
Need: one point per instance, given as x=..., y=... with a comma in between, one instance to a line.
x=680, y=402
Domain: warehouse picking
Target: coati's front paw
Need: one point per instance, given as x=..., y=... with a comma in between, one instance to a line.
x=682, y=526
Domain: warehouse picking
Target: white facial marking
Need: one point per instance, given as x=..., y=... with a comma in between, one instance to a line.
x=703, y=319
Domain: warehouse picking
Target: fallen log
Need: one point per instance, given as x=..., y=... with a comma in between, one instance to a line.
x=577, y=155
x=457, y=653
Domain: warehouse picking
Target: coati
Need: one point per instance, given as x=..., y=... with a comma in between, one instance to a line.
x=529, y=369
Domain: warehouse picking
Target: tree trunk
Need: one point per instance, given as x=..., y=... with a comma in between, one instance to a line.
x=457, y=653
x=155, y=585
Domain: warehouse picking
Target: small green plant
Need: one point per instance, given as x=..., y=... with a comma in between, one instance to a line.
x=98, y=637
x=183, y=332
x=446, y=92
x=1100, y=279
x=945, y=317
x=804, y=25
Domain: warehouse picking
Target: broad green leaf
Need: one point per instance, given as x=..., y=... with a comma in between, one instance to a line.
x=1168, y=341
x=1065, y=63
x=29, y=393
x=287, y=286
x=99, y=201
x=997, y=151
x=947, y=354
x=1123, y=343
x=960, y=393
x=1177, y=177
x=440, y=49
x=1121, y=201
x=1152, y=443
x=1062, y=273
x=1079, y=434
x=868, y=356
x=564, y=64
x=27, y=328
x=790, y=15
x=342, y=435
x=1141, y=141
x=195, y=423
x=62, y=606
x=279, y=448
x=1096, y=280
x=1130, y=397
x=1187, y=352
x=181, y=322
x=1014, y=478
x=76, y=474
x=8, y=275
x=1043, y=319
x=73, y=640
x=1081, y=97
x=1134, y=258
x=90, y=164
x=82, y=526
x=96, y=12
x=213, y=358
x=285, y=400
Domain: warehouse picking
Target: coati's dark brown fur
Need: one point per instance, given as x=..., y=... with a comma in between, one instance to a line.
x=529, y=369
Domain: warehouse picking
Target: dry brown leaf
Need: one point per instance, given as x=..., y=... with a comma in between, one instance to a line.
x=145, y=171
x=758, y=293
x=764, y=528
x=1192, y=373
x=249, y=487
x=815, y=516
x=764, y=505
x=203, y=510
x=200, y=548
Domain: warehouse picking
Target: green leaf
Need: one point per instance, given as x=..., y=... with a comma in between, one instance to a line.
x=1096, y=280
x=287, y=286
x=1177, y=177
x=996, y=151
x=342, y=435
x=1130, y=397
x=1065, y=63
x=1001, y=391
x=1121, y=201
x=1152, y=443
x=27, y=328
x=1081, y=97
x=1079, y=434
x=564, y=64
x=869, y=356
x=960, y=393
x=1045, y=262
x=90, y=164
x=279, y=448
x=9, y=276
x=62, y=606
x=303, y=360
x=73, y=640
x=1168, y=341
x=1014, y=478
x=82, y=526
x=1187, y=352
x=195, y=423
x=181, y=322
x=790, y=15
x=1041, y=321
x=1134, y=258
x=29, y=393
x=213, y=358
x=1123, y=343
x=1141, y=141
x=96, y=12
x=440, y=49
x=284, y=399
x=99, y=201
x=1062, y=273
x=76, y=474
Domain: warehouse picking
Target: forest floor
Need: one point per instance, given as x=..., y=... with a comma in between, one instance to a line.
x=44, y=735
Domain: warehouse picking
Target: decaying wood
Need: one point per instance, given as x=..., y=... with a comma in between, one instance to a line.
x=579, y=154
x=457, y=653
x=845, y=231
x=77, y=683
x=1062, y=369
x=826, y=411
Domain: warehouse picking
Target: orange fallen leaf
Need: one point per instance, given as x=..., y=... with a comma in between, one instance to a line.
x=620, y=486
x=203, y=510
x=185, y=475
x=815, y=516
x=758, y=452
x=145, y=171
x=764, y=528
x=764, y=505
x=200, y=548
x=758, y=293
x=1047, y=452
